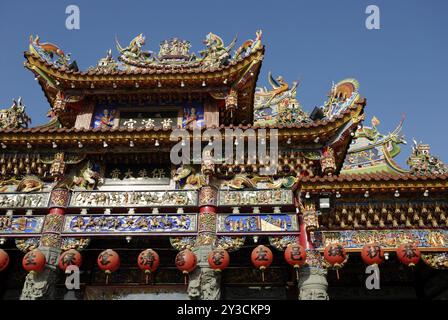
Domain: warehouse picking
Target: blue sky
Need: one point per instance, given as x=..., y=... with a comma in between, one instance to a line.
x=402, y=67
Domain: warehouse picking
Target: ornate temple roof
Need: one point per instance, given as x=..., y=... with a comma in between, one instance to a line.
x=359, y=183
x=216, y=70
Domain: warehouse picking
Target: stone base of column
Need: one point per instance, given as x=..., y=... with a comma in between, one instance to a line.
x=313, y=283
x=205, y=283
x=40, y=286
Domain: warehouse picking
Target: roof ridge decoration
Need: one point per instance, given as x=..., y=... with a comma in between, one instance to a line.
x=176, y=53
x=372, y=151
x=422, y=162
x=342, y=96
x=279, y=105
x=51, y=53
x=15, y=117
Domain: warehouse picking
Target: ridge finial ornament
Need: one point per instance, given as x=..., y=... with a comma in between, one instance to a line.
x=15, y=117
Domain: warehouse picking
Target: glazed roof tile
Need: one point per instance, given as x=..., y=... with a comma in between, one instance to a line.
x=367, y=177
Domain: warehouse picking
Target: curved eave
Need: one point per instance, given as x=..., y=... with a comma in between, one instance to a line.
x=301, y=133
x=83, y=79
x=382, y=181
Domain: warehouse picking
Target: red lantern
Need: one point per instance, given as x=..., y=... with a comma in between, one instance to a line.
x=408, y=254
x=34, y=261
x=372, y=254
x=186, y=262
x=108, y=261
x=295, y=255
x=336, y=256
x=69, y=258
x=148, y=261
x=4, y=260
x=218, y=259
x=261, y=258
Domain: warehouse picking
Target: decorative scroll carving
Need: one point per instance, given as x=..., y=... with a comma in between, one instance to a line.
x=27, y=244
x=436, y=238
x=182, y=243
x=280, y=243
x=10, y=225
x=256, y=223
x=74, y=243
x=436, y=260
x=255, y=197
x=116, y=224
x=230, y=243
x=24, y=200
x=91, y=199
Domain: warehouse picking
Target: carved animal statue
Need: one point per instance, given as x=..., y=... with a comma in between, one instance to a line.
x=216, y=51
x=187, y=176
x=134, y=50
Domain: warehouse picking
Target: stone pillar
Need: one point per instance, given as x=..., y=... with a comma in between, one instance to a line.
x=41, y=286
x=312, y=276
x=205, y=283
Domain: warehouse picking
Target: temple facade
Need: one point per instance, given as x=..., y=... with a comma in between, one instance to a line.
x=154, y=150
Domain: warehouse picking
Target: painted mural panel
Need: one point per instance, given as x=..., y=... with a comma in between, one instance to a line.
x=91, y=199
x=16, y=225
x=255, y=197
x=110, y=224
x=24, y=200
x=256, y=223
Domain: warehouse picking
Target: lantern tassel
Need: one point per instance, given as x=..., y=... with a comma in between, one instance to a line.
x=337, y=274
x=297, y=274
x=107, y=277
x=262, y=275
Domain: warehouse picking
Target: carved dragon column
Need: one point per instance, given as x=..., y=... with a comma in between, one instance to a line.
x=205, y=283
x=42, y=285
x=313, y=276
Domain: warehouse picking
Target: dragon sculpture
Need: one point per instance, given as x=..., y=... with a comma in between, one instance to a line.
x=241, y=181
x=279, y=104
x=187, y=177
x=134, y=51
x=49, y=52
x=216, y=53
